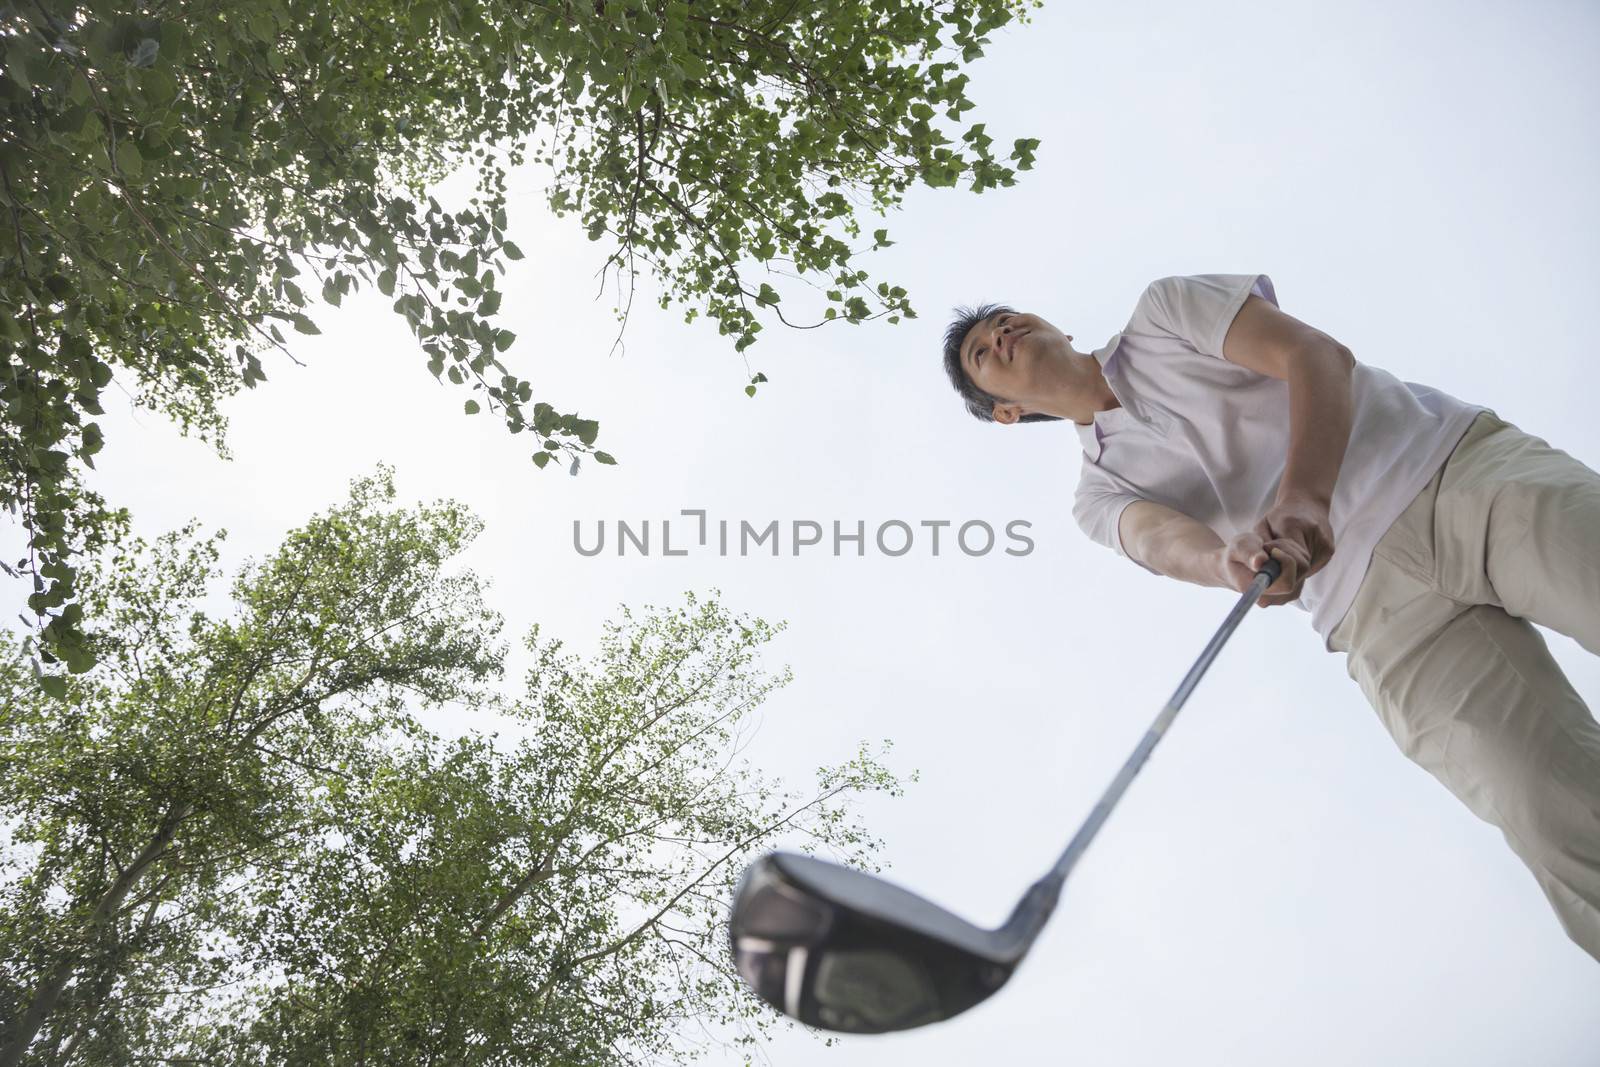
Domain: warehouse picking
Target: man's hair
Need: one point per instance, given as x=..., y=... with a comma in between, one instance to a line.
x=979, y=403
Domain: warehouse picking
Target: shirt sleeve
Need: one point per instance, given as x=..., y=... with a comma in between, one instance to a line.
x=1098, y=506
x=1199, y=308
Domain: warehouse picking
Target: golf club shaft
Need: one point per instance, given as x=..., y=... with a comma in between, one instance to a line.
x=1264, y=578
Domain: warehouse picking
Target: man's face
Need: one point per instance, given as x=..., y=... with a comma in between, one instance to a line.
x=1011, y=355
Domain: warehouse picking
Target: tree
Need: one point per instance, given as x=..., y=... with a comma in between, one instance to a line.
x=239, y=844
x=180, y=182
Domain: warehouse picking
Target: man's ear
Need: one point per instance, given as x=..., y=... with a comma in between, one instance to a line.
x=1007, y=414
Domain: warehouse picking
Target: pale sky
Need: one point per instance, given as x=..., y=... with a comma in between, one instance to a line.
x=1280, y=885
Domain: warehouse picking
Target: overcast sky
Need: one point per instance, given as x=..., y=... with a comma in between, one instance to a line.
x=1280, y=885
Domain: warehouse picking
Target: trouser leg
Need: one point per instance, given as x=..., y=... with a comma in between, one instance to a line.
x=1518, y=525
x=1469, y=691
x=1483, y=707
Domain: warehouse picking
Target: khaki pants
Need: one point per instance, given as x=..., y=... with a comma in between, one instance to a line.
x=1441, y=641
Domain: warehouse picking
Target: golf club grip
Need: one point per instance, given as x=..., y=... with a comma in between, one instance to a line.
x=1263, y=579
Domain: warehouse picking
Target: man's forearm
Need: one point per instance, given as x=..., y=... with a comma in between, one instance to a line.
x=1320, y=412
x=1185, y=549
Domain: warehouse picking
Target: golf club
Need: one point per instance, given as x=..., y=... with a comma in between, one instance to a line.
x=841, y=949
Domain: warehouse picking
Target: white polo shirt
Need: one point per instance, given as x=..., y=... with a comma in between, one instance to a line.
x=1210, y=438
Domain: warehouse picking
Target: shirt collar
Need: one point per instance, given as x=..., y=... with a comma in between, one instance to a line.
x=1089, y=434
x=1104, y=353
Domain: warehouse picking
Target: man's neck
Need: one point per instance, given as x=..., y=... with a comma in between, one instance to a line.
x=1089, y=396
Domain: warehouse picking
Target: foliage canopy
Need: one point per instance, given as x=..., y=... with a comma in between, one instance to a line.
x=180, y=183
x=237, y=843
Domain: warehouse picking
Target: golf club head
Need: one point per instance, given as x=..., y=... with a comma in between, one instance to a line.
x=841, y=949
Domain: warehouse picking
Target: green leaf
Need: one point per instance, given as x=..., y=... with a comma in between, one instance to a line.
x=540, y=459
x=129, y=161
x=303, y=324
x=511, y=250
x=587, y=429
x=604, y=457
x=472, y=407
x=386, y=282
x=93, y=440
x=54, y=685
x=16, y=64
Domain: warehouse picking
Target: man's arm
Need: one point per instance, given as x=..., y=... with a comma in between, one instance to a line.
x=1180, y=547
x=1171, y=542
x=1318, y=370
x=1296, y=529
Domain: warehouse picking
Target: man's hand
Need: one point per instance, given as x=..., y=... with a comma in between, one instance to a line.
x=1297, y=533
x=1302, y=518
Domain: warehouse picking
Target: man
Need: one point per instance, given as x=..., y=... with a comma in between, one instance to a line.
x=1218, y=430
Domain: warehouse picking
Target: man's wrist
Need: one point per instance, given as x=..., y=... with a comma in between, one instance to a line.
x=1300, y=494
x=1221, y=575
